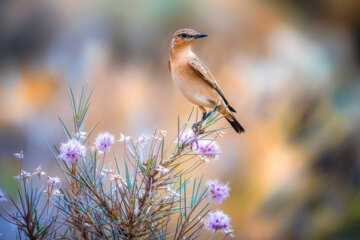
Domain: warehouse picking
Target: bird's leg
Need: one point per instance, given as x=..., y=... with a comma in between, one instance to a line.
x=207, y=115
x=216, y=108
x=204, y=116
x=197, y=127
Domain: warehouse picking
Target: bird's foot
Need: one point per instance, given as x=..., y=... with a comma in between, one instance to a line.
x=197, y=127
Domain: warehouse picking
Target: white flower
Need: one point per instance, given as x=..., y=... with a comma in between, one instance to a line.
x=115, y=177
x=155, y=137
x=57, y=193
x=23, y=175
x=82, y=135
x=162, y=169
x=123, y=138
x=107, y=171
x=38, y=171
x=19, y=155
x=52, y=181
x=162, y=133
x=172, y=192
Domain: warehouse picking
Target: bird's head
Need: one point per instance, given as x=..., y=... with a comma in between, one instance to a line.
x=184, y=37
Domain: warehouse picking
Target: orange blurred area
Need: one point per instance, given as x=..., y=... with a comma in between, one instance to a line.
x=290, y=68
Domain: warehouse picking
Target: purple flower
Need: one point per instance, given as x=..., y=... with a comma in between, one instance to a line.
x=207, y=148
x=71, y=151
x=104, y=141
x=218, y=191
x=186, y=135
x=2, y=196
x=217, y=221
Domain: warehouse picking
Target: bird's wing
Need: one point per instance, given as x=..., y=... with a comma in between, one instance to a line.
x=169, y=65
x=205, y=74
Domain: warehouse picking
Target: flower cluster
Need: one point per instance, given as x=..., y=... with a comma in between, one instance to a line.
x=149, y=186
x=206, y=148
x=218, y=221
x=71, y=151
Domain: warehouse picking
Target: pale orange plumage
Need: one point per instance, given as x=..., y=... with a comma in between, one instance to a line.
x=193, y=78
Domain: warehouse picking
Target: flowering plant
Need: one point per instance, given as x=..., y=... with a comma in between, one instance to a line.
x=146, y=194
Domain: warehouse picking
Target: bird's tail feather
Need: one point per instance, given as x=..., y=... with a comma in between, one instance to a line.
x=226, y=111
x=231, y=108
x=235, y=124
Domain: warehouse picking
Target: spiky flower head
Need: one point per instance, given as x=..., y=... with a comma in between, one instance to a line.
x=217, y=221
x=218, y=191
x=71, y=151
x=186, y=136
x=207, y=148
x=104, y=141
x=2, y=196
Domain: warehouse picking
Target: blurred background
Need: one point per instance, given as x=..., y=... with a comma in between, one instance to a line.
x=290, y=68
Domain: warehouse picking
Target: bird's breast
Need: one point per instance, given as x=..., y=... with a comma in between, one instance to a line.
x=191, y=85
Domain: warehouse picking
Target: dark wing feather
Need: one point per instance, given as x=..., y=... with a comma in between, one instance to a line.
x=205, y=74
x=169, y=65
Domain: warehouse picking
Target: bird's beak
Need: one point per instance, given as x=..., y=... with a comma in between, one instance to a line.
x=200, y=35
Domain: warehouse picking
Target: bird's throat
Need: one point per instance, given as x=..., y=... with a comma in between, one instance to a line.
x=181, y=52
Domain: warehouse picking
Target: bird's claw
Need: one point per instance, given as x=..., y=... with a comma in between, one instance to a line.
x=197, y=127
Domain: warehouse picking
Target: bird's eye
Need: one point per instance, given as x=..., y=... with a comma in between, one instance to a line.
x=183, y=35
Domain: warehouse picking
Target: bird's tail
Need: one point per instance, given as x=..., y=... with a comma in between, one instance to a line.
x=224, y=109
x=235, y=124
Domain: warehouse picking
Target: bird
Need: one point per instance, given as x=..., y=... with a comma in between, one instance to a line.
x=194, y=79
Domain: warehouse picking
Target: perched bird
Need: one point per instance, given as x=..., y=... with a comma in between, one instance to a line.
x=194, y=80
